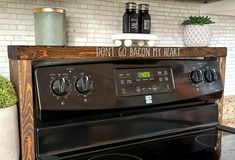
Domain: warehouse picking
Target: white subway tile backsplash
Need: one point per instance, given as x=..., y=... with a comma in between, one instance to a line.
x=25, y=16
x=3, y=4
x=9, y=38
x=4, y=64
x=5, y=20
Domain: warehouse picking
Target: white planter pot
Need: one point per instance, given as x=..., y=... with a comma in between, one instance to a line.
x=197, y=35
x=9, y=134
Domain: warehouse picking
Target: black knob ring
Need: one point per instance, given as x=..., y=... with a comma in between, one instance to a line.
x=196, y=76
x=60, y=86
x=84, y=85
x=210, y=75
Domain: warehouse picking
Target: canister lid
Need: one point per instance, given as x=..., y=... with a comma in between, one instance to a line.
x=130, y=5
x=143, y=7
x=57, y=10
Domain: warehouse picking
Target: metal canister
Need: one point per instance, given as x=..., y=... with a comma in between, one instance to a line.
x=49, y=26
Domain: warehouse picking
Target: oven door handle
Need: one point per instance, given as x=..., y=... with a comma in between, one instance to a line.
x=226, y=128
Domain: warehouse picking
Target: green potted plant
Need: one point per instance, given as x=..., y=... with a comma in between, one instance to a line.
x=197, y=32
x=9, y=133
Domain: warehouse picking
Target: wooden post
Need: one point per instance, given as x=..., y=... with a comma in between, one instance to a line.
x=222, y=64
x=21, y=75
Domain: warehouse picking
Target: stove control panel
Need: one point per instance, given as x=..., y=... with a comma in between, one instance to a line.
x=103, y=86
x=129, y=82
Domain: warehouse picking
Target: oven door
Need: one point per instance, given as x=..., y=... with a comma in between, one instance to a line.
x=187, y=130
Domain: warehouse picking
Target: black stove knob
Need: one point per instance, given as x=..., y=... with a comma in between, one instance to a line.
x=196, y=76
x=84, y=85
x=60, y=86
x=210, y=75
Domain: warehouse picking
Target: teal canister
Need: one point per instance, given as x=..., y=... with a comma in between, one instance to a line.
x=49, y=26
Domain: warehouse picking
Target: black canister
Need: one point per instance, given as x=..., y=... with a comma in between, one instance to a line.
x=144, y=19
x=130, y=19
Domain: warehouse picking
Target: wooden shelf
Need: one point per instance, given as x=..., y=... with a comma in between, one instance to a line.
x=35, y=53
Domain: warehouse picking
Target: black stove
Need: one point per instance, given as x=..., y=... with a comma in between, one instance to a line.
x=128, y=110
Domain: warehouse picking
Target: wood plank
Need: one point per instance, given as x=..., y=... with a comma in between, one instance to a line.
x=21, y=76
x=219, y=144
x=222, y=64
x=78, y=53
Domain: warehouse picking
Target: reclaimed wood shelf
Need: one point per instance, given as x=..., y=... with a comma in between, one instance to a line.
x=32, y=53
x=22, y=58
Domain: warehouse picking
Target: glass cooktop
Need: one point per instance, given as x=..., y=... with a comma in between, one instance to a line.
x=196, y=146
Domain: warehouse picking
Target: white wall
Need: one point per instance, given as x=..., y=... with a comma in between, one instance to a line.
x=92, y=22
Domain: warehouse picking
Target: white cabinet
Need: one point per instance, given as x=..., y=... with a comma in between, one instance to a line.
x=223, y=7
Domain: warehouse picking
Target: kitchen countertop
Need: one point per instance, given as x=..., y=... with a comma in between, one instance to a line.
x=228, y=141
x=229, y=111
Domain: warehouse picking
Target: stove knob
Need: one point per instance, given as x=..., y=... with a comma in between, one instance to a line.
x=84, y=85
x=60, y=86
x=210, y=75
x=196, y=76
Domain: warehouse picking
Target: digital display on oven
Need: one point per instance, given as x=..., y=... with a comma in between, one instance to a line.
x=144, y=74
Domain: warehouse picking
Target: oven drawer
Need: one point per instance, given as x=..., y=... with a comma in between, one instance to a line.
x=90, y=134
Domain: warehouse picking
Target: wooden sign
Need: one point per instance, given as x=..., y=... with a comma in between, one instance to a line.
x=77, y=53
x=128, y=52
